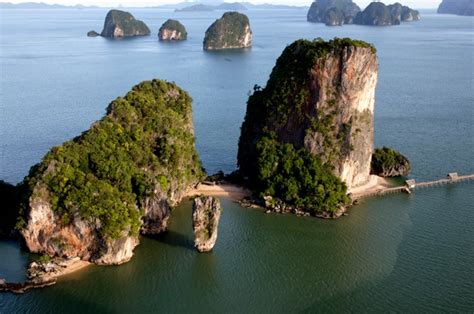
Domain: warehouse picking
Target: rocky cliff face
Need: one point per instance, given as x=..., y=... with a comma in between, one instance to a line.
x=458, y=7
x=320, y=97
x=90, y=197
x=231, y=31
x=333, y=12
x=122, y=24
x=172, y=30
x=206, y=215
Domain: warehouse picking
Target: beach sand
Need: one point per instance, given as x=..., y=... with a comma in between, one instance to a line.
x=374, y=185
x=234, y=192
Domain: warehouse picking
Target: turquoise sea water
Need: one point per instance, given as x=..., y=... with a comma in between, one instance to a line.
x=401, y=253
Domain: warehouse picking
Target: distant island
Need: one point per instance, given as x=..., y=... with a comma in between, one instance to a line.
x=235, y=6
x=172, y=30
x=333, y=12
x=42, y=5
x=458, y=7
x=231, y=31
x=379, y=14
x=340, y=12
x=223, y=6
x=120, y=24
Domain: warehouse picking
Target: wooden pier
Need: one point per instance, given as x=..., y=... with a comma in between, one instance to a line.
x=411, y=185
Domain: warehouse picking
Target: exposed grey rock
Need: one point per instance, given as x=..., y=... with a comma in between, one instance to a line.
x=206, y=214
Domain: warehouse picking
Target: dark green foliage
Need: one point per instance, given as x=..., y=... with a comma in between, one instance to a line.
x=10, y=198
x=274, y=116
x=228, y=31
x=144, y=142
x=287, y=92
x=297, y=178
x=389, y=163
x=126, y=21
x=174, y=25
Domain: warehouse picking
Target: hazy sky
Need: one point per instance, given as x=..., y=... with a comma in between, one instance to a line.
x=361, y=3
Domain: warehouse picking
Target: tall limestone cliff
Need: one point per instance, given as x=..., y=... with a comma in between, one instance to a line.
x=319, y=98
x=90, y=197
x=120, y=24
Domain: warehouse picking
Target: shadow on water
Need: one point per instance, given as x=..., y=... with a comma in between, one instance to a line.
x=173, y=238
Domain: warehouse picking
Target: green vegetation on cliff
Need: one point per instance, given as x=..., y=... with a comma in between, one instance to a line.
x=288, y=91
x=144, y=143
x=122, y=24
x=273, y=165
x=232, y=30
x=387, y=162
x=173, y=25
x=297, y=178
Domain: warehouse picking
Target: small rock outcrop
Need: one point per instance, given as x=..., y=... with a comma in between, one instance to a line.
x=206, y=215
x=172, y=30
x=92, y=34
x=387, y=162
x=379, y=14
x=312, y=125
x=231, y=31
x=90, y=197
x=333, y=12
x=120, y=24
x=458, y=7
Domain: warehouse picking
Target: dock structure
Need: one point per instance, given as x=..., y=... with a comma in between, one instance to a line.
x=410, y=185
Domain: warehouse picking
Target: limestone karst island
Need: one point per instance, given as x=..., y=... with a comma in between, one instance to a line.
x=307, y=156
x=339, y=12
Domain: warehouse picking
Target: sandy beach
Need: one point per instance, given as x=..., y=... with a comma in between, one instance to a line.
x=374, y=185
x=72, y=267
x=237, y=193
x=234, y=192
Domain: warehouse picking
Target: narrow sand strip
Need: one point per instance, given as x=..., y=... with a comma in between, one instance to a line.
x=374, y=185
x=231, y=191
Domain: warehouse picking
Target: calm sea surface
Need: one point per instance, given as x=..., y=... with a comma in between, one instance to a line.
x=404, y=253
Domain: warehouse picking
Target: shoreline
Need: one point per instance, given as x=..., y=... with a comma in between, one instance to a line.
x=42, y=275
x=238, y=193
x=376, y=184
x=231, y=191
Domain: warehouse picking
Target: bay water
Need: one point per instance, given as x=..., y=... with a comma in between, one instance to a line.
x=404, y=253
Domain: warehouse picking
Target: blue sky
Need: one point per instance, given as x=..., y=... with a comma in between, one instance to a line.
x=362, y=3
